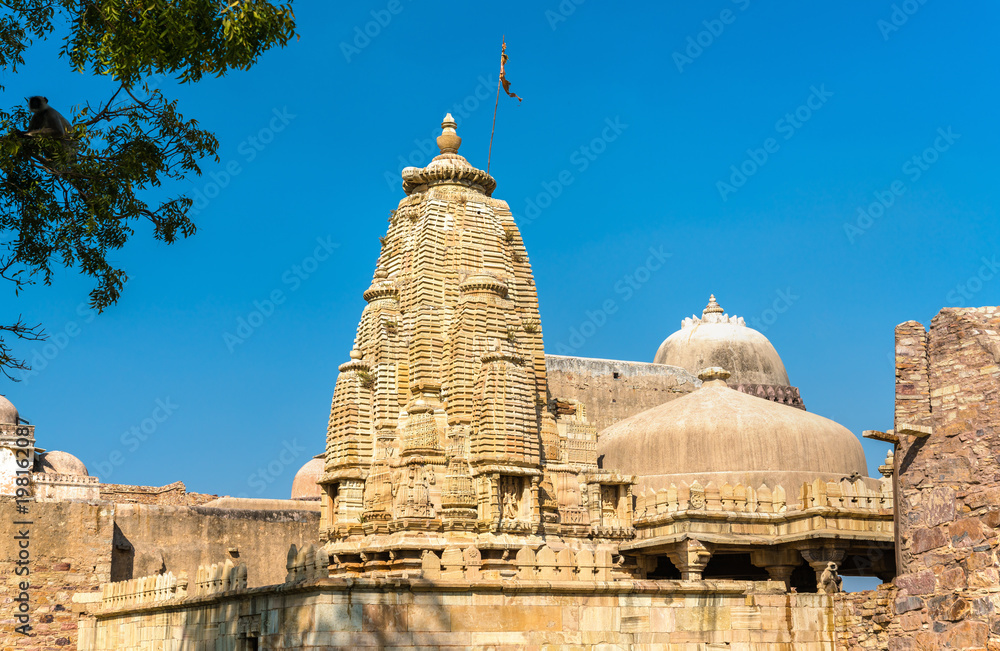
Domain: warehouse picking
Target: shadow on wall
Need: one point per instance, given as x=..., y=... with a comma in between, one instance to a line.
x=122, y=556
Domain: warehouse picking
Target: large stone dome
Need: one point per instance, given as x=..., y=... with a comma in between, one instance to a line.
x=716, y=339
x=57, y=462
x=717, y=434
x=8, y=412
x=304, y=486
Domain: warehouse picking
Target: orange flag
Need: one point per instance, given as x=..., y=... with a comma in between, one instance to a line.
x=503, y=74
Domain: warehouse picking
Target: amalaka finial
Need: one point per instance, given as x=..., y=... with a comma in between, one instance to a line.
x=712, y=307
x=449, y=141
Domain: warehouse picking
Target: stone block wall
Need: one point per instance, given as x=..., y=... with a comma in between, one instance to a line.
x=74, y=547
x=612, y=390
x=152, y=538
x=68, y=547
x=174, y=494
x=416, y=613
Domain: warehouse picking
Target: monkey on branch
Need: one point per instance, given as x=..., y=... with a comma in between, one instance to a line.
x=46, y=121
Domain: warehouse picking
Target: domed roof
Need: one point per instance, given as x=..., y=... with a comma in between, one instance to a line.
x=717, y=339
x=304, y=486
x=718, y=434
x=56, y=462
x=8, y=412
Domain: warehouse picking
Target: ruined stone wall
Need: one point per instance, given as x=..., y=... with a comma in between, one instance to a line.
x=864, y=620
x=612, y=390
x=947, y=468
x=401, y=613
x=151, y=538
x=69, y=551
x=948, y=465
x=175, y=494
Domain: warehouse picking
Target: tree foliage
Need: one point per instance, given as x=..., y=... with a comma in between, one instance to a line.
x=69, y=203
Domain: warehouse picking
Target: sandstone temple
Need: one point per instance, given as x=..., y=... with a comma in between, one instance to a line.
x=475, y=492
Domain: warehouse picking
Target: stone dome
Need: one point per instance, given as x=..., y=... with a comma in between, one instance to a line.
x=717, y=339
x=304, y=486
x=717, y=434
x=57, y=462
x=8, y=412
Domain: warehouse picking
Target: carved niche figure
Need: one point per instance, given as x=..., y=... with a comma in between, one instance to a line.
x=829, y=581
x=609, y=505
x=416, y=499
x=378, y=491
x=335, y=501
x=510, y=497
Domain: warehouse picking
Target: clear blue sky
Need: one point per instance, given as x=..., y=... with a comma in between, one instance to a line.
x=863, y=98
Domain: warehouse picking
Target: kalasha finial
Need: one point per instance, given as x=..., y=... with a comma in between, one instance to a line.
x=712, y=374
x=712, y=307
x=356, y=354
x=449, y=141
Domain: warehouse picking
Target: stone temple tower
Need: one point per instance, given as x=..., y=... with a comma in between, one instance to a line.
x=439, y=426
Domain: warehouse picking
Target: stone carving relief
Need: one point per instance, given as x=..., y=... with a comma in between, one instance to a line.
x=609, y=505
x=511, y=491
x=411, y=492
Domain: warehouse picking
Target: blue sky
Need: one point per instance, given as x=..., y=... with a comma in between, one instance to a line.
x=765, y=154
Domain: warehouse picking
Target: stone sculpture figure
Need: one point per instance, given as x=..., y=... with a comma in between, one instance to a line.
x=609, y=506
x=509, y=498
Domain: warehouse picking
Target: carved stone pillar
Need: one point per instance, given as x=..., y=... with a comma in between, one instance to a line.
x=819, y=557
x=779, y=563
x=690, y=557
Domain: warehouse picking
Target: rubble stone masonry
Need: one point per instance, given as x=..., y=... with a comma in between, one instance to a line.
x=947, y=592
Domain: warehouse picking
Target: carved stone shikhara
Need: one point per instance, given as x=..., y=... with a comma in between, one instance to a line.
x=440, y=419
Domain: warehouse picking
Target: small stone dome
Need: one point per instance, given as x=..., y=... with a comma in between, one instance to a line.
x=304, y=486
x=57, y=462
x=717, y=434
x=8, y=412
x=717, y=339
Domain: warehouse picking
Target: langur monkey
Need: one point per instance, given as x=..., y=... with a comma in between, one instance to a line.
x=45, y=119
x=829, y=581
